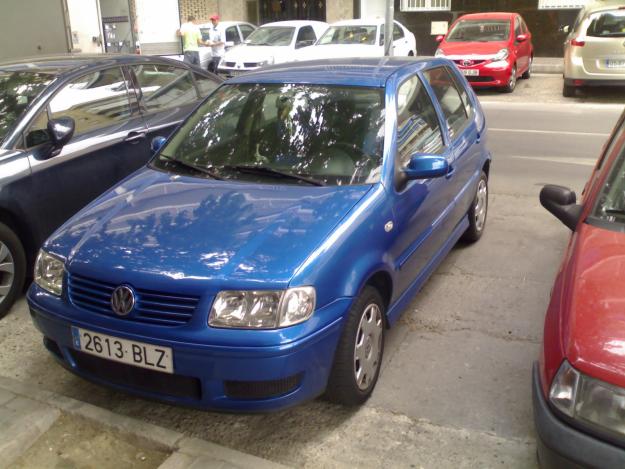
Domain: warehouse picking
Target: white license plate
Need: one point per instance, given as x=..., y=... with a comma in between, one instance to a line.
x=124, y=351
x=470, y=72
x=615, y=63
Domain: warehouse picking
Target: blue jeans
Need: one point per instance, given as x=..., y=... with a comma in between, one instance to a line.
x=192, y=57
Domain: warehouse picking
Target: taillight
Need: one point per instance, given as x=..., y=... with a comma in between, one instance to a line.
x=578, y=43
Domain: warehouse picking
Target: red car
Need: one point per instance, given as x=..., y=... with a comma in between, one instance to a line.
x=579, y=381
x=490, y=49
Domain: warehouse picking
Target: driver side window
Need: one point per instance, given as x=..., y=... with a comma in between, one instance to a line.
x=38, y=131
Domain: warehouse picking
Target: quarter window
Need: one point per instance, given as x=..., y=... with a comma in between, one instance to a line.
x=418, y=129
x=246, y=30
x=164, y=86
x=99, y=99
x=232, y=35
x=449, y=98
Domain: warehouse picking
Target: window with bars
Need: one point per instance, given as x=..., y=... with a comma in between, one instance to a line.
x=425, y=5
x=560, y=4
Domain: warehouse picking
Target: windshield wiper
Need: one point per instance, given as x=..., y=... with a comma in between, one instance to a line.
x=199, y=169
x=273, y=172
x=259, y=44
x=614, y=211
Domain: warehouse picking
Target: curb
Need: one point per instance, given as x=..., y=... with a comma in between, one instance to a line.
x=187, y=452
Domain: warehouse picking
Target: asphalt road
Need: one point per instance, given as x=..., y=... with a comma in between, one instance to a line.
x=455, y=385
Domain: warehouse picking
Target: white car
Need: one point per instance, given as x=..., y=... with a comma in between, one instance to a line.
x=234, y=32
x=272, y=43
x=359, y=38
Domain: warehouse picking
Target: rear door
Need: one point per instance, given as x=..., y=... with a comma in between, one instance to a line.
x=108, y=144
x=604, y=48
x=167, y=94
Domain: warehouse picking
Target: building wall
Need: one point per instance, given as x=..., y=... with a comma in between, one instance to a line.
x=543, y=24
x=337, y=10
x=201, y=9
x=32, y=27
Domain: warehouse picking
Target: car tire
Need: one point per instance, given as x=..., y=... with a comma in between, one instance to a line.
x=568, y=91
x=478, y=211
x=528, y=73
x=410, y=54
x=358, y=356
x=12, y=268
x=510, y=87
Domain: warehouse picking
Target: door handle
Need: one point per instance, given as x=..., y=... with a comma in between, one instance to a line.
x=135, y=137
x=450, y=171
x=478, y=139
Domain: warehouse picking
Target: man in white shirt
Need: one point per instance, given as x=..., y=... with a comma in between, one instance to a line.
x=217, y=43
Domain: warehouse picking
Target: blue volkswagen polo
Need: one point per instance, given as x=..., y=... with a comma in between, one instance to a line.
x=258, y=259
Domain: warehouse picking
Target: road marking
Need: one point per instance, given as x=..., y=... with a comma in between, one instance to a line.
x=550, y=132
x=560, y=159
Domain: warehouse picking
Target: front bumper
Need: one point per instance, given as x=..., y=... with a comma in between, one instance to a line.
x=208, y=376
x=488, y=77
x=560, y=445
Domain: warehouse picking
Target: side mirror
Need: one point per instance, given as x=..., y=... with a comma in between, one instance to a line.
x=565, y=29
x=306, y=43
x=521, y=38
x=61, y=131
x=561, y=202
x=157, y=144
x=440, y=38
x=229, y=44
x=423, y=166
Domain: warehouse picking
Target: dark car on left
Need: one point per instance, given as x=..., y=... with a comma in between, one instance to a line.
x=70, y=128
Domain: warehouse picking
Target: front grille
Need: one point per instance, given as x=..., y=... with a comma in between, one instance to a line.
x=250, y=64
x=139, y=378
x=470, y=63
x=479, y=79
x=166, y=309
x=261, y=389
x=230, y=64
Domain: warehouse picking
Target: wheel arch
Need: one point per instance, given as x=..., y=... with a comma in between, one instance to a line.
x=17, y=225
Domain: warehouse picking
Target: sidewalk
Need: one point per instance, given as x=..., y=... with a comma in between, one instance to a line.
x=548, y=65
x=45, y=430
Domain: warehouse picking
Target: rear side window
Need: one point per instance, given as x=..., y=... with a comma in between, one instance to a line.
x=164, y=86
x=96, y=100
x=449, y=97
x=418, y=129
x=607, y=24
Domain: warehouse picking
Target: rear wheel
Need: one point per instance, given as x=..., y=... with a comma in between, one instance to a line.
x=359, y=353
x=528, y=73
x=568, y=91
x=509, y=88
x=478, y=211
x=12, y=268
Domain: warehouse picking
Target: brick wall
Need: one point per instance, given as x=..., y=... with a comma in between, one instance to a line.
x=201, y=9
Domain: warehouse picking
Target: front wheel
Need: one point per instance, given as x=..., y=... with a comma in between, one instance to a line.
x=478, y=211
x=359, y=353
x=528, y=73
x=509, y=88
x=568, y=91
x=12, y=268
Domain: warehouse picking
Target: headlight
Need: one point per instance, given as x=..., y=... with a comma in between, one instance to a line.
x=262, y=309
x=262, y=63
x=49, y=273
x=439, y=53
x=587, y=399
x=501, y=55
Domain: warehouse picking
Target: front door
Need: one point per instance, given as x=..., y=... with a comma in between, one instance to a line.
x=108, y=143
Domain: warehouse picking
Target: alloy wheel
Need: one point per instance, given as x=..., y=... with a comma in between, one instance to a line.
x=481, y=205
x=368, y=346
x=7, y=271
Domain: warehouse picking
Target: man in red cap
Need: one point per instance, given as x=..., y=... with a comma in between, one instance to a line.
x=217, y=43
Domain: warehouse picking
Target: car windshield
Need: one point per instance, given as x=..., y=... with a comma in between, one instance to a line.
x=349, y=35
x=607, y=24
x=611, y=201
x=17, y=91
x=257, y=132
x=271, y=36
x=479, y=31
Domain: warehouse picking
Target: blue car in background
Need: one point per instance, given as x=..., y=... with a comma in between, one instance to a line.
x=258, y=259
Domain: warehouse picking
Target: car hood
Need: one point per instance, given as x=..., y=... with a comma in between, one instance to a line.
x=594, y=328
x=245, y=53
x=467, y=49
x=157, y=226
x=337, y=51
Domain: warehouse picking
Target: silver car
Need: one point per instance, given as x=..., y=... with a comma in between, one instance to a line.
x=594, y=51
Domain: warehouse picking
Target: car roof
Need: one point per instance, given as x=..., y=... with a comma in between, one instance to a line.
x=223, y=24
x=494, y=15
x=601, y=5
x=68, y=63
x=370, y=72
x=360, y=22
x=295, y=23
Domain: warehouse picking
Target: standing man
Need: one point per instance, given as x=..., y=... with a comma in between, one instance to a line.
x=217, y=43
x=191, y=41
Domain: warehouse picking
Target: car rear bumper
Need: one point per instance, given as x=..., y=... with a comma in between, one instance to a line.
x=595, y=82
x=559, y=445
x=236, y=378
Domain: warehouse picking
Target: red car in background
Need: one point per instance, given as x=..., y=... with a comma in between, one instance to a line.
x=490, y=49
x=579, y=381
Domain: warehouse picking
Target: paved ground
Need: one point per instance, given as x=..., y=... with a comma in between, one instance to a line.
x=455, y=386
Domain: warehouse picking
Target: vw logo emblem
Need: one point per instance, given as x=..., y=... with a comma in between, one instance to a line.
x=122, y=300
x=466, y=62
